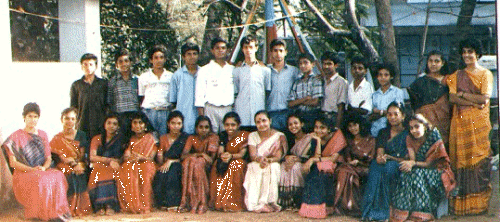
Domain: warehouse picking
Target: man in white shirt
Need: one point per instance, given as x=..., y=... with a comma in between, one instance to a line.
x=335, y=87
x=214, y=93
x=153, y=90
x=359, y=94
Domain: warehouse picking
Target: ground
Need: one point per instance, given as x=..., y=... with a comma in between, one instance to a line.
x=492, y=215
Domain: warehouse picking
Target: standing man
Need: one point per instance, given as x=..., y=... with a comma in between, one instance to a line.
x=359, y=94
x=214, y=96
x=307, y=92
x=183, y=83
x=252, y=82
x=123, y=95
x=335, y=89
x=153, y=90
x=282, y=78
x=88, y=96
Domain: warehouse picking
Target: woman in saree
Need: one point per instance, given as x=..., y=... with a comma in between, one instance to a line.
x=228, y=171
x=470, y=92
x=426, y=177
x=41, y=191
x=137, y=171
x=106, y=151
x=167, y=184
x=71, y=147
x=351, y=174
x=303, y=146
x=197, y=157
x=266, y=147
x=384, y=170
x=318, y=194
x=429, y=94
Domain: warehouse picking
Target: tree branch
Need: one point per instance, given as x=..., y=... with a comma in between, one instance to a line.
x=331, y=30
x=358, y=36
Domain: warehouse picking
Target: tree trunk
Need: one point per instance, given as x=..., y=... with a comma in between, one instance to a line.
x=214, y=21
x=358, y=36
x=462, y=29
x=388, y=44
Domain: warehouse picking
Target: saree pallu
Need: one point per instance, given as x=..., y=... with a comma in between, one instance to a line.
x=195, y=189
x=135, y=178
x=292, y=180
x=167, y=187
x=429, y=97
x=350, y=178
x=226, y=188
x=102, y=184
x=383, y=178
x=42, y=193
x=78, y=195
x=420, y=191
x=470, y=145
x=261, y=184
x=319, y=190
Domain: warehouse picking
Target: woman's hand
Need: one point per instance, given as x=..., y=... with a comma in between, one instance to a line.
x=166, y=166
x=79, y=169
x=354, y=162
x=41, y=168
x=406, y=165
x=381, y=159
x=114, y=165
x=263, y=163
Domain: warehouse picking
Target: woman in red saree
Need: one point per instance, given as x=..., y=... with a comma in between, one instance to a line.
x=350, y=174
x=71, y=146
x=197, y=158
x=137, y=171
x=106, y=151
x=318, y=194
x=41, y=191
x=470, y=150
x=228, y=171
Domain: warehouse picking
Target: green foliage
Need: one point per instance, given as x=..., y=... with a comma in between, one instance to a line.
x=121, y=19
x=34, y=38
x=334, y=11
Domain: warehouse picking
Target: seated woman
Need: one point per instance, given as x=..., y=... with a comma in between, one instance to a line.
x=384, y=170
x=228, y=171
x=350, y=174
x=41, y=191
x=136, y=173
x=426, y=179
x=267, y=147
x=106, y=150
x=71, y=146
x=304, y=146
x=318, y=195
x=197, y=157
x=167, y=186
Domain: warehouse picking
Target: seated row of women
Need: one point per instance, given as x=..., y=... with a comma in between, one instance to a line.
x=322, y=172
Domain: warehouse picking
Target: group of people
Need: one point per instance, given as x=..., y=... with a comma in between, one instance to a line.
x=262, y=138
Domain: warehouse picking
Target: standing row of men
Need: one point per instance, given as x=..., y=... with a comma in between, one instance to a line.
x=219, y=87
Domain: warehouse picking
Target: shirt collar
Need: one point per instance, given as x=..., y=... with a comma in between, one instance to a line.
x=310, y=75
x=256, y=62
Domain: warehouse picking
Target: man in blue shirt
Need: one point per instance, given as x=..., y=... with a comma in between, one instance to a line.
x=183, y=85
x=282, y=78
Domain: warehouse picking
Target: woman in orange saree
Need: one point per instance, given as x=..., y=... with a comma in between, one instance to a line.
x=470, y=150
x=136, y=174
x=106, y=151
x=197, y=157
x=71, y=146
x=228, y=171
x=41, y=191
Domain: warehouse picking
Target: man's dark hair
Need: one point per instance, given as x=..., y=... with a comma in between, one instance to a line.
x=385, y=66
x=307, y=56
x=88, y=56
x=157, y=48
x=277, y=42
x=216, y=40
x=122, y=52
x=248, y=39
x=189, y=46
x=359, y=60
x=332, y=56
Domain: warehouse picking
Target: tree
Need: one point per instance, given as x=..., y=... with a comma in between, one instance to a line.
x=136, y=25
x=388, y=41
x=462, y=30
